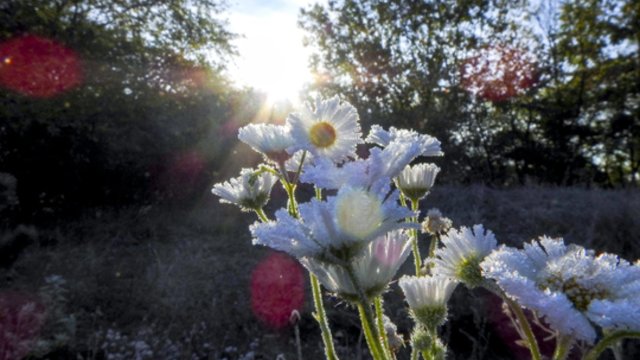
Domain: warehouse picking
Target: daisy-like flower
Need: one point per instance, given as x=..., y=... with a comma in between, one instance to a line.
x=381, y=165
x=373, y=268
x=416, y=181
x=270, y=140
x=429, y=146
x=462, y=254
x=330, y=130
x=250, y=190
x=569, y=286
x=337, y=228
x=435, y=223
x=427, y=297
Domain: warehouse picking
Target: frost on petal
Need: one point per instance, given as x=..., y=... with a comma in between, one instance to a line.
x=285, y=234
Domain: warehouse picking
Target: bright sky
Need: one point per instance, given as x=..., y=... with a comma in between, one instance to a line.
x=271, y=57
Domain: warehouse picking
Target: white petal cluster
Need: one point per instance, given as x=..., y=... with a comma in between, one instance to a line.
x=380, y=165
x=270, y=140
x=569, y=286
x=338, y=227
x=427, y=291
x=373, y=268
x=462, y=253
x=435, y=222
x=331, y=129
x=416, y=181
x=428, y=145
x=250, y=190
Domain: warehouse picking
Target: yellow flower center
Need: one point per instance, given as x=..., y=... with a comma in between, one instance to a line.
x=359, y=213
x=322, y=134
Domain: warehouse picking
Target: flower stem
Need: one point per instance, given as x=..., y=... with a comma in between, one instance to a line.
x=525, y=326
x=610, y=340
x=414, y=353
x=369, y=331
x=321, y=318
x=261, y=215
x=377, y=301
x=414, y=240
x=563, y=347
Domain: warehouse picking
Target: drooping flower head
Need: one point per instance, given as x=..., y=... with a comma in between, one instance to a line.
x=270, y=140
x=250, y=191
x=462, y=254
x=416, y=181
x=427, y=297
x=331, y=129
x=338, y=227
x=569, y=286
x=373, y=268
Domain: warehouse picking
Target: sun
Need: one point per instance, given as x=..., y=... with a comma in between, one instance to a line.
x=272, y=56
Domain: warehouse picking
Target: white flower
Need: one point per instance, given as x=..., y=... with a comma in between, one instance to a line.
x=270, y=140
x=332, y=130
x=428, y=145
x=462, y=254
x=416, y=181
x=435, y=223
x=336, y=228
x=427, y=297
x=569, y=286
x=250, y=190
x=380, y=166
x=373, y=268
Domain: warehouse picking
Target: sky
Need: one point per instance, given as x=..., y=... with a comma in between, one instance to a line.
x=271, y=55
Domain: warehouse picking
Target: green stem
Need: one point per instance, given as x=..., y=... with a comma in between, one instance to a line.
x=377, y=301
x=525, y=326
x=563, y=347
x=369, y=332
x=610, y=340
x=321, y=318
x=414, y=240
x=414, y=353
x=261, y=215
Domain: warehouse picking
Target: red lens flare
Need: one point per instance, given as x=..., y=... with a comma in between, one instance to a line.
x=277, y=289
x=38, y=67
x=499, y=73
x=21, y=318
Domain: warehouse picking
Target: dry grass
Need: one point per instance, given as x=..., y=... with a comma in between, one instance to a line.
x=184, y=275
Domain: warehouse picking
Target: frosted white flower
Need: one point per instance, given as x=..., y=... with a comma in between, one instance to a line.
x=416, y=181
x=270, y=140
x=251, y=190
x=337, y=228
x=373, y=268
x=569, y=286
x=381, y=165
x=330, y=130
x=427, y=297
x=428, y=145
x=463, y=252
x=435, y=223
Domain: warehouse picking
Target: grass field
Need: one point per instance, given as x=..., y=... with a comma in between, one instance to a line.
x=153, y=283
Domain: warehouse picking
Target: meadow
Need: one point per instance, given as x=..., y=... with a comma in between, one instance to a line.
x=164, y=283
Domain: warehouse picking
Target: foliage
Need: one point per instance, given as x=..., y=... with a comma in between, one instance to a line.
x=148, y=106
x=517, y=92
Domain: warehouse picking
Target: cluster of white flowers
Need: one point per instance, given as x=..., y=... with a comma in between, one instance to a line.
x=358, y=230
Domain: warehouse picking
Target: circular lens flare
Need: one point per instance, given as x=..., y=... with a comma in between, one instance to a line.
x=38, y=67
x=277, y=289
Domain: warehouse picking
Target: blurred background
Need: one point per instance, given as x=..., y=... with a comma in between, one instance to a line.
x=117, y=116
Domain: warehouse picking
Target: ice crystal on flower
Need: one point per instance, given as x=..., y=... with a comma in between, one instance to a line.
x=250, y=190
x=331, y=129
x=569, y=286
x=270, y=140
x=462, y=253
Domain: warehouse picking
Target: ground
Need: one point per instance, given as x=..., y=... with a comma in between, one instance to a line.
x=176, y=283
